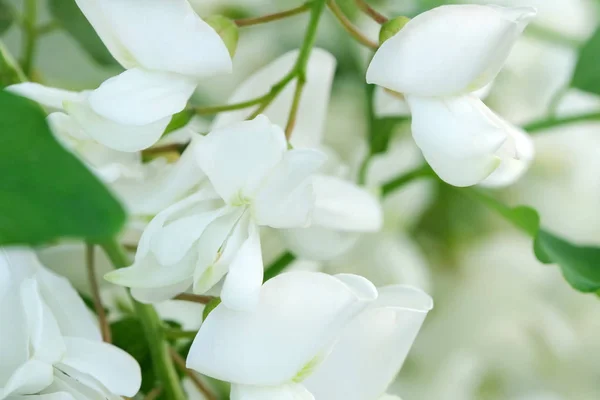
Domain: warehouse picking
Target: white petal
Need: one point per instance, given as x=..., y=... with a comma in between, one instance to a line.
x=312, y=111
x=342, y=205
x=291, y=391
x=317, y=243
x=517, y=155
x=457, y=137
x=298, y=317
x=128, y=138
x=158, y=35
x=46, y=96
x=46, y=342
x=159, y=294
x=111, y=366
x=286, y=197
x=80, y=386
x=141, y=97
x=386, y=104
x=373, y=347
x=241, y=290
x=70, y=312
x=29, y=378
x=237, y=158
x=449, y=50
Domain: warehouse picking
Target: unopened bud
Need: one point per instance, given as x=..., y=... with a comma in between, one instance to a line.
x=392, y=27
x=227, y=30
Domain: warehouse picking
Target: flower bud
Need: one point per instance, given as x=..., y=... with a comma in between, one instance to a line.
x=227, y=30
x=392, y=27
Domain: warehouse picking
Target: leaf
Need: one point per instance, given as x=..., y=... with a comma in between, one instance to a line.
x=45, y=192
x=7, y=16
x=580, y=265
x=10, y=71
x=73, y=21
x=587, y=74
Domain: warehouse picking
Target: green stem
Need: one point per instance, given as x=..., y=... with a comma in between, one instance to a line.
x=153, y=330
x=272, y=17
x=29, y=35
x=349, y=26
x=547, y=123
x=231, y=107
x=179, y=334
x=396, y=183
x=278, y=265
x=552, y=36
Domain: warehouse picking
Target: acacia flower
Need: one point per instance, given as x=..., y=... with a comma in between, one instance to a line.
x=436, y=61
x=312, y=336
x=253, y=181
x=165, y=47
x=50, y=345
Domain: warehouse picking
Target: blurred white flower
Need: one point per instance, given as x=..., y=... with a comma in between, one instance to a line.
x=463, y=141
x=166, y=49
x=312, y=335
x=51, y=345
x=254, y=181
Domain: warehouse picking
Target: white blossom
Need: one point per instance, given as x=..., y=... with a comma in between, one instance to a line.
x=313, y=336
x=436, y=61
x=254, y=180
x=165, y=47
x=50, y=345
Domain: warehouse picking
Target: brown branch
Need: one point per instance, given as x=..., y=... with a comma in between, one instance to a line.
x=180, y=362
x=371, y=12
x=272, y=17
x=154, y=393
x=195, y=298
x=349, y=26
x=91, y=268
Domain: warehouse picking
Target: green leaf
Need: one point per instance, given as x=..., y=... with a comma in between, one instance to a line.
x=73, y=21
x=10, y=71
x=587, y=74
x=45, y=191
x=7, y=16
x=580, y=265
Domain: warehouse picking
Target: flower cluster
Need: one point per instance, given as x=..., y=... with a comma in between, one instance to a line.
x=259, y=172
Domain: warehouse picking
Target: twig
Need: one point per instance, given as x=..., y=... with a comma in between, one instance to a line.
x=195, y=298
x=29, y=35
x=180, y=362
x=154, y=393
x=231, y=107
x=371, y=12
x=349, y=26
x=272, y=17
x=91, y=269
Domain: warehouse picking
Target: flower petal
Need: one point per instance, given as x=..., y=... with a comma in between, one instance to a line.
x=158, y=35
x=128, y=138
x=111, y=366
x=449, y=50
x=373, y=347
x=286, y=197
x=458, y=137
x=29, y=378
x=318, y=244
x=141, y=97
x=237, y=158
x=159, y=294
x=312, y=111
x=298, y=317
x=291, y=391
x=46, y=96
x=241, y=290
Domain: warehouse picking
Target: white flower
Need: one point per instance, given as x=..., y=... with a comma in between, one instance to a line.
x=254, y=181
x=50, y=343
x=313, y=336
x=166, y=49
x=436, y=61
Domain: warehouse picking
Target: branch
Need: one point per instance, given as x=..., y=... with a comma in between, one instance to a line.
x=193, y=377
x=367, y=9
x=195, y=298
x=91, y=270
x=349, y=26
x=272, y=17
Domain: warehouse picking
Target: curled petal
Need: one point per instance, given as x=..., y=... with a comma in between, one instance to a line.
x=141, y=97
x=292, y=391
x=459, y=137
x=29, y=378
x=46, y=96
x=298, y=316
x=373, y=347
x=238, y=157
x=312, y=111
x=158, y=35
x=449, y=50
